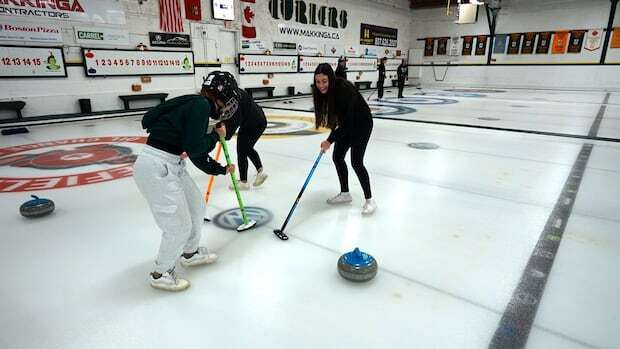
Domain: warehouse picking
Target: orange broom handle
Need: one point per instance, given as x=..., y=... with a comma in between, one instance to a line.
x=212, y=178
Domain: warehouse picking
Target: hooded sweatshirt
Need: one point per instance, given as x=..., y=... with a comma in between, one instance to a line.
x=180, y=125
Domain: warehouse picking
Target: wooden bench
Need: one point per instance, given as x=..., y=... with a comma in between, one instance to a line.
x=127, y=98
x=362, y=85
x=17, y=106
x=268, y=89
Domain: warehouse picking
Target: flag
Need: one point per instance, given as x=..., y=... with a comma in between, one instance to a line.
x=170, y=19
x=593, y=42
x=560, y=41
x=527, y=47
x=499, y=45
x=248, y=30
x=192, y=10
x=576, y=41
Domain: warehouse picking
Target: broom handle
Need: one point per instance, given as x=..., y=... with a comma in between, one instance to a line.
x=212, y=178
x=234, y=180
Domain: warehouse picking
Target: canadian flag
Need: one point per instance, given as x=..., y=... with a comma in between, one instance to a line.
x=248, y=30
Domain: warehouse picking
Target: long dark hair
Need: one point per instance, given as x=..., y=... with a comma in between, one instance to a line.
x=324, y=104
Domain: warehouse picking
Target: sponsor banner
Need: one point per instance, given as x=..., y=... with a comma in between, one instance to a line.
x=306, y=49
x=481, y=45
x=370, y=52
x=361, y=64
x=334, y=50
x=249, y=64
x=615, y=38
x=442, y=46
x=308, y=63
x=499, y=44
x=32, y=62
x=544, y=41
x=101, y=36
x=593, y=41
x=170, y=40
x=303, y=33
x=429, y=47
x=514, y=42
x=375, y=35
x=254, y=45
x=29, y=32
x=527, y=46
x=455, y=44
x=576, y=41
x=94, y=11
x=468, y=42
x=560, y=41
x=134, y=62
x=285, y=47
x=351, y=51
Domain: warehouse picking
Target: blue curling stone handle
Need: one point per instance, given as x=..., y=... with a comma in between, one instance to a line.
x=36, y=201
x=358, y=258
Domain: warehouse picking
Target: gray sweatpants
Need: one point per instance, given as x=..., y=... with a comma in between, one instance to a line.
x=175, y=201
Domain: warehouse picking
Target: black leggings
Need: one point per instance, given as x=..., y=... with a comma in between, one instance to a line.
x=358, y=148
x=380, y=88
x=246, y=139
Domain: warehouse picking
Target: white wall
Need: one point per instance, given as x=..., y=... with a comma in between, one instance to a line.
x=386, y=13
x=522, y=16
x=60, y=95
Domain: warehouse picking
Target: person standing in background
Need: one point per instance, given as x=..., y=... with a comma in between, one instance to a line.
x=341, y=70
x=403, y=74
x=381, y=80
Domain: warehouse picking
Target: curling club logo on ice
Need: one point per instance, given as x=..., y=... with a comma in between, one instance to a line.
x=101, y=159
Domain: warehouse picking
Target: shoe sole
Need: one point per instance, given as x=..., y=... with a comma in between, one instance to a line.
x=258, y=183
x=208, y=261
x=170, y=289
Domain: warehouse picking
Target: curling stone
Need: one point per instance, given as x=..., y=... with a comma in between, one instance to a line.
x=357, y=266
x=36, y=207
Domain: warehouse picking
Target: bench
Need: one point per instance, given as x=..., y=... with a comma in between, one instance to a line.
x=17, y=106
x=127, y=98
x=362, y=85
x=268, y=89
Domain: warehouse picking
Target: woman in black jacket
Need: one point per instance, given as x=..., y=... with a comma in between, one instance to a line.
x=249, y=118
x=351, y=124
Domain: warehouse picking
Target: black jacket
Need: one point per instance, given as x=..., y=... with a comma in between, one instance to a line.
x=354, y=116
x=341, y=72
x=248, y=117
x=381, y=69
x=402, y=72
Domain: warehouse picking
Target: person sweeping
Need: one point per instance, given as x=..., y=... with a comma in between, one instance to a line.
x=249, y=118
x=176, y=126
x=340, y=107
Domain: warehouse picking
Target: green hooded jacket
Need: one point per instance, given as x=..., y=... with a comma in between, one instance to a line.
x=182, y=123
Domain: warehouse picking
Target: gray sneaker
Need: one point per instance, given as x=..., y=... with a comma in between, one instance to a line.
x=201, y=257
x=341, y=198
x=168, y=281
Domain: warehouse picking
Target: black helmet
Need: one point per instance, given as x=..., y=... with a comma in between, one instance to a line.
x=224, y=87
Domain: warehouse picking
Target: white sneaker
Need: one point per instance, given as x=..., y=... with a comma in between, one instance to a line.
x=241, y=185
x=260, y=178
x=369, y=207
x=168, y=281
x=201, y=257
x=341, y=198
